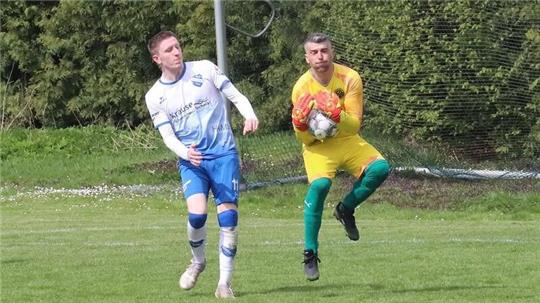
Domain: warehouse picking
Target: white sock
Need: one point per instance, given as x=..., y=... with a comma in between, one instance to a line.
x=197, y=239
x=227, y=251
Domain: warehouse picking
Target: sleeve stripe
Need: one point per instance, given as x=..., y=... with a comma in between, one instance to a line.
x=163, y=123
x=225, y=83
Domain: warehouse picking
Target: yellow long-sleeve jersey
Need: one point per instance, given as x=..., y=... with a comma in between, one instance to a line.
x=347, y=84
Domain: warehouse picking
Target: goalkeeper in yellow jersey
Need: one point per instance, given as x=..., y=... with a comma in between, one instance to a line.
x=335, y=90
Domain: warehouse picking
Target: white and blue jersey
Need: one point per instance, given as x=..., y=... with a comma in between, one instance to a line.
x=193, y=105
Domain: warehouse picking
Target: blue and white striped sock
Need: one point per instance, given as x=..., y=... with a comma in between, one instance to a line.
x=196, y=230
x=228, y=237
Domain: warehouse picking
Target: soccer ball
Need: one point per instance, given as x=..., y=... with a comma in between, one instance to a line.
x=320, y=126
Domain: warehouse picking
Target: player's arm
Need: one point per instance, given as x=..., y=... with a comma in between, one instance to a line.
x=251, y=123
x=222, y=83
x=302, y=105
x=171, y=141
x=163, y=125
x=190, y=154
x=304, y=137
x=351, y=116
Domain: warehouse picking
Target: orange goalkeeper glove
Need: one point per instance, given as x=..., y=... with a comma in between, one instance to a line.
x=301, y=110
x=328, y=103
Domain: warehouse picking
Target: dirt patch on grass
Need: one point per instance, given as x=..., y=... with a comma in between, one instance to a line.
x=159, y=167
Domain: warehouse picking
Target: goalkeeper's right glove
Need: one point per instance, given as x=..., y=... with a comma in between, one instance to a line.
x=301, y=110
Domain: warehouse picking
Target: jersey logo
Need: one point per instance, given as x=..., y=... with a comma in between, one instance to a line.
x=197, y=80
x=162, y=99
x=340, y=93
x=200, y=103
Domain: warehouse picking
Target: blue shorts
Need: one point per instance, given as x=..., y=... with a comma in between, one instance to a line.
x=221, y=175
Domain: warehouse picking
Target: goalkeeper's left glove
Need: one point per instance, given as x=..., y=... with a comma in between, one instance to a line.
x=328, y=103
x=301, y=110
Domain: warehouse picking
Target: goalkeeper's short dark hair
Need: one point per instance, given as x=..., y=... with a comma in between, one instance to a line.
x=317, y=38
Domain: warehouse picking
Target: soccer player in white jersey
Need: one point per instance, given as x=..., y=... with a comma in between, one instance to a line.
x=187, y=108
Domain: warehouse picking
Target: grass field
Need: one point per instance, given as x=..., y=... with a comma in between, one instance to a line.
x=129, y=246
x=84, y=222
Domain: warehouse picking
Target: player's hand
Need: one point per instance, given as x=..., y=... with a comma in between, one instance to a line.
x=194, y=156
x=250, y=125
x=301, y=110
x=328, y=103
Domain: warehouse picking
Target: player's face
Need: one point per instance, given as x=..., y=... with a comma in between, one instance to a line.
x=319, y=56
x=169, y=54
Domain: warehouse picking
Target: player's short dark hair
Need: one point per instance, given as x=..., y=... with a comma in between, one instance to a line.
x=317, y=38
x=157, y=38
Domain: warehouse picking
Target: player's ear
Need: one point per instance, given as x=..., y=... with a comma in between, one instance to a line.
x=156, y=59
x=306, y=57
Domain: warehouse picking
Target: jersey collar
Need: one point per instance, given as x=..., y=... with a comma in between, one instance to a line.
x=163, y=81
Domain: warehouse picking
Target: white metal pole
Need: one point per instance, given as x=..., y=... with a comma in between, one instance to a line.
x=221, y=42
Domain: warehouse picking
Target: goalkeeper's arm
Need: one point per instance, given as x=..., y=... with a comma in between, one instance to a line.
x=300, y=112
x=349, y=124
x=304, y=136
x=351, y=117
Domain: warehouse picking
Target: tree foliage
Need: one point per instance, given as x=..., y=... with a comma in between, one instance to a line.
x=68, y=63
x=463, y=73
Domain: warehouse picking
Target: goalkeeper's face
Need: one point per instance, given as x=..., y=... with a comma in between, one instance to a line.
x=319, y=56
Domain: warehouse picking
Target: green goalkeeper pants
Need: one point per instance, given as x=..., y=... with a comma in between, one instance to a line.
x=373, y=177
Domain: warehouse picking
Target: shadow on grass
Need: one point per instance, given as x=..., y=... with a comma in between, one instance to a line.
x=445, y=288
x=335, y=289
x=10, y=261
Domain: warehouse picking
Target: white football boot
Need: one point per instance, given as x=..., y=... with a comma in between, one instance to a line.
x=189, y=278
x=224, y=292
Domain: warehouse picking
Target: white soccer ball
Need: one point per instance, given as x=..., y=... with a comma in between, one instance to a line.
x=320, y=126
